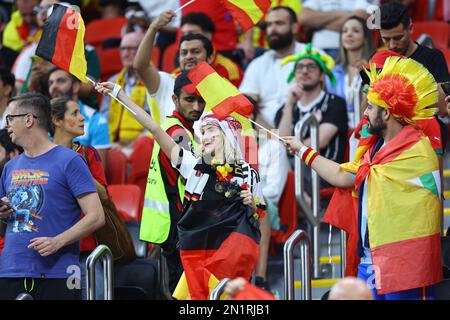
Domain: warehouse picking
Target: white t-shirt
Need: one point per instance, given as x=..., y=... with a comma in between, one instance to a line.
x=22, y=65
x=155, y=7
x=273, y=168
x=266, y=78
x=329, y=39
x=163, y=96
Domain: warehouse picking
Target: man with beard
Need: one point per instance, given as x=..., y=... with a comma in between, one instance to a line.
x=194, y=48
x=398, y=184
x=165, y=187
x=308, y=97
x=96, y=129
x=265, y=77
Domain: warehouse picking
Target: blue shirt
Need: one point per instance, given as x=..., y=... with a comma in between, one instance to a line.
x=96, y=128
x=43, y=192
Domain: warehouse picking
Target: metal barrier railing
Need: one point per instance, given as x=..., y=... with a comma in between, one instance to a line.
x=218, y=290
x=24, y=296
x=311, y=214
x=299, y=236
x=343, y=252
x=104, y=253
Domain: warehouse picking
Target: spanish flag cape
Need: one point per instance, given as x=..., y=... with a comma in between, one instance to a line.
x=342, y=211
x=403, y=208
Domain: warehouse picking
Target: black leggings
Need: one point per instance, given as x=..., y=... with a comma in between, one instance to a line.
x=39, y=289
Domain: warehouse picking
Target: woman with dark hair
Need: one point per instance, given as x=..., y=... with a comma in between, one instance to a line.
x=356, y=47
x=68, y=123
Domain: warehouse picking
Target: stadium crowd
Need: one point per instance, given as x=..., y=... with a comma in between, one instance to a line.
x=376, y=95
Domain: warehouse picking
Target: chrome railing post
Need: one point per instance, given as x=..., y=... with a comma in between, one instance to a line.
x=343, y=252
x=311, y=214
x=299, y=236
x=104, y=253
x=218, y=290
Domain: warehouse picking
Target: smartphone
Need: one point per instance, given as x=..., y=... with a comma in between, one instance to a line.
x=446, y=87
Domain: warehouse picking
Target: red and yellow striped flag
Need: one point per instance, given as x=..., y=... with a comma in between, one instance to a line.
x=220, y=95
x=62, y=41
x=224, y=100
x=247, y=12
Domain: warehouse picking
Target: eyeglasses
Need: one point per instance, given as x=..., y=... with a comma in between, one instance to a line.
x=135, y=14
x=309, y=67
x=9, y=117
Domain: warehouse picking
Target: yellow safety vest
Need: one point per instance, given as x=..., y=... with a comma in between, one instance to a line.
x=155, y=223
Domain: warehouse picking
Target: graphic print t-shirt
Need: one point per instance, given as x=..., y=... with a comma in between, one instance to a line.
x=43, y=192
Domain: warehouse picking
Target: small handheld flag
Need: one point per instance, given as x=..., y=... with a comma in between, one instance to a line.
x=62, y=41
x=247, y=12
x=221, y=97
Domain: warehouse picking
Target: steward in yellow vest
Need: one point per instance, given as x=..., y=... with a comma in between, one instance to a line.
x=163, y=204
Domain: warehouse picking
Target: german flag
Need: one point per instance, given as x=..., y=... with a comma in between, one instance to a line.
x=62, y=41
x=247, y=12
x=218, y=239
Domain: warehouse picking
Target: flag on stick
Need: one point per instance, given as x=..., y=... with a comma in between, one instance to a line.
x=247, y=12
x=224, y=100
x=62, y=41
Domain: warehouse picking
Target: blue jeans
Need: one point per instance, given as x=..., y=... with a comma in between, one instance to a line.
x=366, y=273
x=99, y=288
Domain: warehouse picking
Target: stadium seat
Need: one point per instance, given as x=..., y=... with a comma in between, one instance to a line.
x=126, y=197
x=110, y=63
x=100, y=30
x=116, y=167
x=140, y=246
x=439, y=31
x=138, y=280
x=447, y=57
x=140, y=162
x=288, y=210
x=169, y=56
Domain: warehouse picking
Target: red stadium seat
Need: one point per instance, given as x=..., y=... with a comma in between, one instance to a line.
x=439, y=31
x=140, y=162
x=116, y=167
x=156, y=55
x=98, y=31
x=110, y=63
x=288, y=210
x=126, y=197
x=169, y=56
x=447, y=57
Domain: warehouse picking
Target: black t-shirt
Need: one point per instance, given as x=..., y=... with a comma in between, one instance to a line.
x=331, y=109
x=434, y=61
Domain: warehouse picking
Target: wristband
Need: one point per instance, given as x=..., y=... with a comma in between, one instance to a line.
x=116, y=90
x=302, y=151
x=309, y=155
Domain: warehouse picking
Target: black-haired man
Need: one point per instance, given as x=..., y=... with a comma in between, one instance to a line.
x=165, y=187
x=7, y=81
x=201, y=23
x=194, y=48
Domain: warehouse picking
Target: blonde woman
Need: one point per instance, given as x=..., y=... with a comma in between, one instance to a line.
x=218, y=232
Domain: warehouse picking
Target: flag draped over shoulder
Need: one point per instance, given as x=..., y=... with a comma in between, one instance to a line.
x=62, y=41
x=403, y=208
x=342, y=211
x=217, y=241
x=247, y=12
x=224, y=99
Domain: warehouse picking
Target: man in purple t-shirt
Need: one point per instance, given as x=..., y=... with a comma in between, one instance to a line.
x=43, y=192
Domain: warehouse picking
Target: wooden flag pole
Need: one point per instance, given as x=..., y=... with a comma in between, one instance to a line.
x=123, y=104
x=185, y=5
